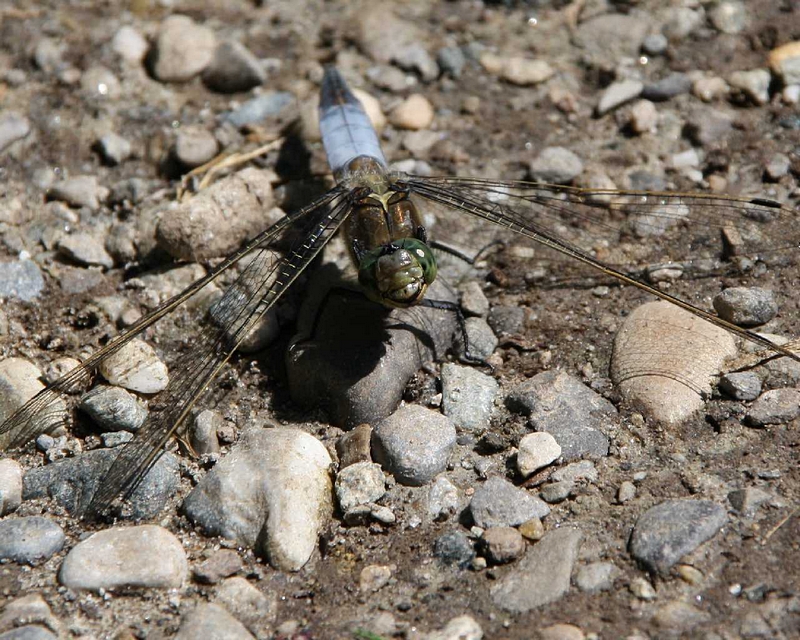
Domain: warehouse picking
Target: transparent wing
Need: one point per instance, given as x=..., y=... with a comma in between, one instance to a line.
x=604, y=229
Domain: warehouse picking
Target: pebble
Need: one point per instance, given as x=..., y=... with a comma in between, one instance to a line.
x=728, y=16
x=80, y=191
x=743, y=385
x=454, y=548
x=517, y=70
x=747, y=501
x=596, y=577
x=259, y=108
x=564, y=407
x=209, y=620
x=234, y=68
x=21, y=279
x=679, y=616
x=30, y=540
x=374, y=577
x=254, y=609
x=498, y=503
x=600, y=37
x=668, y=87
x=48, y=54
x=681, y=22
x=84, y=249
x=665, y=359
x=358, y=484
x=129, y=44
x=413, y=444
x=113, y=409
x=442, y=499
x=461, y=628
x=30, y=609
x=473, y=300
x=451, y=60
x=777, y=406
x=670, y=530
x=710, y=89
x=784, y=62
x=468, y=396
x=415, y=112
x=223, y=563
x=642, y=589
x=271, y=493
x=536, y=450
x=502, y=545
x=555, y=165
x=182, y=49
x=115, y=438
x=542, y=576
x=532, y=529
x=19, y=382
x=216, y=221
x=194, y=146
x=100, y=82
x=113, y=148
x=136, y=367
x=626, y=492
x=203, y=435
x=354, y=446
x=655, y=44
x=708, y=126
x=555, y=492
x=753, y=84
x=644, y=117
x=13, y=126
x=10, y=485
x=481, y=338
x=746, y=306
x=506, y=320
x=617, y=94
x=778, y=166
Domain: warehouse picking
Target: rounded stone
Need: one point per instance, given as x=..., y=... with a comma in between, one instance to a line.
x=502, y=544
x=30, y=540
x=359, y=483
x=415, y=112
x=746, y=306
x=536, y=450
x=182, y=49
x=555, y=165
x=136, y=367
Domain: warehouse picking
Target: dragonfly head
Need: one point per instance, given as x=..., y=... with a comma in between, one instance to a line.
x=397, y=274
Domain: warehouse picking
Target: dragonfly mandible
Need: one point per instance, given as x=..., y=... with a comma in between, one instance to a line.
x=379, y=213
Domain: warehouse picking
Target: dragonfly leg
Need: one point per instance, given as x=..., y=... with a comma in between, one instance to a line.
x=471, y=260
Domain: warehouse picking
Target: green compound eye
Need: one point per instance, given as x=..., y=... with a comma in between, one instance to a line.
x=423, y=255
x=398, y=274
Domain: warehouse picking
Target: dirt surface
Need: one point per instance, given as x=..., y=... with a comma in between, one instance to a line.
x=749, y=572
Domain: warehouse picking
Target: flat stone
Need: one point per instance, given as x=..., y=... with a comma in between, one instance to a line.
x=536, y=450
x=80, y=191
x=182, y=49
x=127, y=557
x=502, y=545
x=271, y=493
x=10, y=485
x=680, y=617
x=85, y=249
x=516, y=69
x=777, y=406
x=742, y=385
x=194, y=146
x=136, y=367
x=113, y=409
x=596, y=577
x=30, y=540
x=617, y=94
x=28, y=632
x=413, y=444
x=668, y=87
x=670, y=530
x=468, y=396
x=708, y=126
x=748, y=500
x=359, y=483
x=746, y=306
x=21, y=279
x=250, y=606
x=555, y=165
x=542, y=576
x=233, y=69
x=223, y=563
x=555, y=492
x=209, y=620
x=498, y=503
x=13, y=126
x=30, y=609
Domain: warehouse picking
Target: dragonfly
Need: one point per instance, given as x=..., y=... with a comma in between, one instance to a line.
x=379, y=213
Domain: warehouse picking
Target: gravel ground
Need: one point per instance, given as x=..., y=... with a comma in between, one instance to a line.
x=532, y=500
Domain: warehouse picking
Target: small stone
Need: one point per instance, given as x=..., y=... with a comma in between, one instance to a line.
x=617, y=94
x=136, y=367
x=642, y=589
x=778, y=166
x=209, y=620
x=667, y=532
x=498, y=503
x=19, y=382
x=563, y=632
x=468, y=396
x=679, y=616
x=10, y=485
x=358, y=484
x=413, y=444
x=753, y=84
x=13, y=126
x=454, y=548
x=681, y=22
x=182, y=49
x=690, y=575
x=80, y=191
x=644, y=117
x=710, y=89
x=461, y=628
x=555, y=492
x=48, y=55
x=222, y=564
x=742, y=385
x=481, y=338
x=626, y=492
x=21, y=279
x=777, y=406
x=374, y=577
x=113, y=409
x=129, y=44
x=259, y=108
x=85, y=249
x=668, y=87
x=30, y=609
x=748, y=500
x=784, y=62
x=30, y=540
x=203, y=435
x=502, y=545
x=442, y=499
x=415, y=112
x=100, y=82
x=233, y=69
x=194, y=146
x=655, y=44
x=113, y=148
x=250, y=606
x=354, y=446
x=517, y=70
x=596, y=577
x=728, y=16
x=746, y=306
x=451, y=60
x=708, y=126
x=532, y=529
x=473, y=300
x=115, y=438
x=555, y=165
x=536, y=450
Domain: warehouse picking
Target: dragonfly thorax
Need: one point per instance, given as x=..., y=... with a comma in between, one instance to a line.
x=397, y=274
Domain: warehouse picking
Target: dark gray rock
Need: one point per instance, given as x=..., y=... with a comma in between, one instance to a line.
x=30, y=540
x=481, y=338
x=774, y=407
x=743, y=385
x=233, y=69
x=566, y=409
x=21, y=279
x=454, y=548
x=498, y=503
x=555, y=492
x=746, y=306
x=667, y=532
x=451, y=60
x=113, y=408
x=73, y=482
x=672, y=85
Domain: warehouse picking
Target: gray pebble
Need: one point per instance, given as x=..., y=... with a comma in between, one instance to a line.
x=506, y=320
x=30, y=540
x=667, y=532
x=555, y=492
x=30, y=609
x=502, y=545
x=28, y=632
x=414, y=57
x=454, y=548
x=113, y=408
x=13, y=126
x=442, y=499
x=182, y=49
x=80, y=191
x=708, y=126
x=194, y=146
x=655, y=44
x=115, y=438
x=777, y=406
x=729, y=16
x=778, y=166
x=451, y=61
x=85, y=249
x=250, y=606
x=259, y=108
x=746, y=306
x=271, y=493
x=583, y=471
x=600, y=36
x=748, y=500
x=209, y=620
x=617, y=94
x=498, y=503
x=626, y=492
x=468, y=396
x=595, y=577
x=542, y=576
x=10, y=485
x=568, y=410
x=672, y=85
x=481, y=338
x=743, y=385
x=72, y=482
x=129, y=44
x=233, y=69
x=113, y=148
x=681, y=22
x=753, y=84
x=785, y=63
x=48, y=54
x=358, y=484
x=473, y=300
x=20, y=279
x=413, y=444
x=555, y=165
x=221, y=564
x=203, y=435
